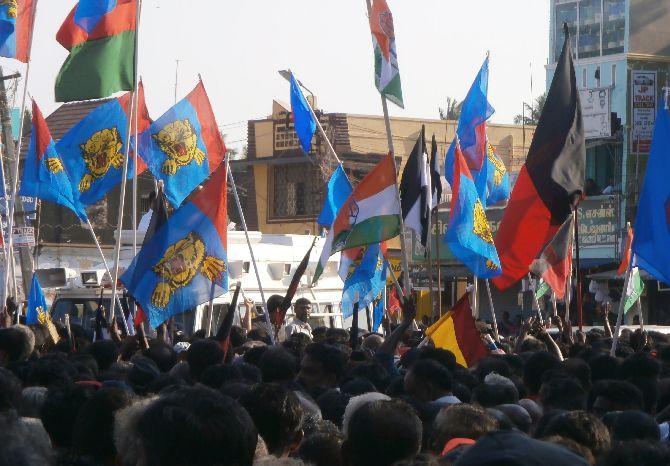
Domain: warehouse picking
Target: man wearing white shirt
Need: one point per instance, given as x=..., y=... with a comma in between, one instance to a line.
x=302, y=309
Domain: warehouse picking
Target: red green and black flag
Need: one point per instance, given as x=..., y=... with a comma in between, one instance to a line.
x=554, y=264
x=100, y=36
x=551, y=182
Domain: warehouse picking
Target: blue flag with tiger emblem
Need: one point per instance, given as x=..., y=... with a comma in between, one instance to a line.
x=469, y=234
x=185, y=261
x=94, y=149
x=37, y=312
x=184, y=145
x=366, y=278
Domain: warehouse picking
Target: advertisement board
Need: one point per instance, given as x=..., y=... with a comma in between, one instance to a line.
x=596, y=112
x=643, y=105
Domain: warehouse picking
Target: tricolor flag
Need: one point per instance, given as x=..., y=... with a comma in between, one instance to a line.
x=100, y=36
x=44, y=174
x=184, y=145
x=185, y=262
x=634, y=290
x=387, y=74
x=551, y=182
x=416, y=190
x=17, y=18
x=625, y=256
x=456, y=332
x=554, y=264
x=370, y=215
x=469, y=234
x=94, y=149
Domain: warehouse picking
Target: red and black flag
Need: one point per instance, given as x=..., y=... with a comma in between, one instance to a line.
x=551, y=182
x=554, y=264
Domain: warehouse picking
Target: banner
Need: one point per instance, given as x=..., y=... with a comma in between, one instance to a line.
x=643, y=105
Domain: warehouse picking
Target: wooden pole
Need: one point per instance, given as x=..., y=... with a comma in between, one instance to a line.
x=493, y=310
x=622, y=302
x=438, y=235
x=578, y=294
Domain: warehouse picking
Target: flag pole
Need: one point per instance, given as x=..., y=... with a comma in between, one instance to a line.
x=389, y=138
x=251, y=251
x=5, y=250
x=17, y=158
x=619, y=317
x=493, y=310
x=135, y=124
x=438, y=262
x=429, y=260
x=578, y=294
x=475, y=296
x=124, y=170
x=535, y=298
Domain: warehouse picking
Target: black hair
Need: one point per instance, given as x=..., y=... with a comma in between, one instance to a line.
x=579, y=369
x=372, y=371
x=218, y=374
x=277, y=414
x=60, y=410
x=18, y=341
x=197, y=426
x=445, y=357
x=253, y=355
x=202, y=354
x=492, y=364
x=274, y=302
x=562, y=392
x=490, y=395
x=582, y=427
x=249, y=371
x=302, y=302
x=331, y=358
x=21, y=444
x=381, y=433
x=238, y=336
x=337, y=335
x=536, y=365
x=356, y=387
x=260, y=334
x=10, y=391
x=322, y=449
x=429, y=371
x=638, y=452
x=461, y=421
x=640, y=365
x=93, y=432
x=105, y=353
x=278, y=365
x=333, y=403
x=621, y=394
x=635, y=425
x=85, y=364
x=162, y=354
x=51, y=369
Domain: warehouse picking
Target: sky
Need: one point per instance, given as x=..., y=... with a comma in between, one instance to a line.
x=238, y=47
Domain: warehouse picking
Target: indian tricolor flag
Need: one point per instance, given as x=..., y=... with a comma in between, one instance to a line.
x=370, y=215
x=387, y=74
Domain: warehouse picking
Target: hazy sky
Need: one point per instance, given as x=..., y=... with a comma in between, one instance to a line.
x=238, y=46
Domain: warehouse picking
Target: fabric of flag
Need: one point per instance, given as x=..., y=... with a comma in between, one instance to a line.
x=497, y=177
x=387, y=74
x=416, y=190
x=37, y=311
x=339, y=190
x=393, y=305
x=471, y=131
x=469, y=234
x=185, y=262
x=542, y=289
x=378, y=306
x=435, y=177
x=634, y=290
x=44, y=173
x=651, y=243
x=94, y=149
x=17, y=18
x=366, y=279
x=551, y=182
x=303, y=121
x=100, y=36
x=554, y=263
x=370, y=215
x=456, y=332
x=625, y=255
x=184, y=145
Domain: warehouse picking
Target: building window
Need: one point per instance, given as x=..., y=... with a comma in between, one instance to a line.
x=614, y=75
x=614, y=26
x=584, y=78
x=590, y=20
x=297, y=191
x=565, y=13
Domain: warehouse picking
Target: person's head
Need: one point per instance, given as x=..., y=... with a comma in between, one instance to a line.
x=614, y=395
x=640, y=366
x=143, y=373
x=333, y=403
x=517, y=415
x=322, y=449
x=638, y=453
x=604, y=366
x=93, y=432
x=16, y=343
x=32, y=400
x=372, y=342
x=495, y=390
x=10, y=391
x=196, y=426
x=162, y=354
x=202, y=354
x=445, y=357
x=105, y=353
x=60, y=410
x=274, y=302
x=635, y=425
x=278, y=365
x=278, y=416
x=22, y=445
x=579, y=369
x=562, y=392
x=302, y=308
x=583, y=428
x=381, y=433
x=535, y=367
x=321, y=366
x=428, y=380
x=219, y=374
x=461, y=421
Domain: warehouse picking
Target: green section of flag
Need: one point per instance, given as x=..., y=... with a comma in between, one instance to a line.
x=387, y=76
x=542, y=289
x=634, y=290
x=98, y=68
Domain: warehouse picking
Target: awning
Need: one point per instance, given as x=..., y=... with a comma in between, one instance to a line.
x=611, y=275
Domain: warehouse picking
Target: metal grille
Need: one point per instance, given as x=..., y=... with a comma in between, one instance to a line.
x=297, y=191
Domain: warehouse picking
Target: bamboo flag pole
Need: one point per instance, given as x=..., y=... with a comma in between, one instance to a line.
x=124, y=173
x=493, y=310
x=102, y=256
x=17, y=157
x=251, y=250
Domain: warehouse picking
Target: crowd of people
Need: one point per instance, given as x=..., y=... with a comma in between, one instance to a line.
x=331, y=397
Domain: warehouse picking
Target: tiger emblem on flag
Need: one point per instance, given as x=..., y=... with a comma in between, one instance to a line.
x=180, y=264
x=500, y=169
x=481, y=226
x=100, y=153
x=179, y=142
x=12, y=7
x=54, y=165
